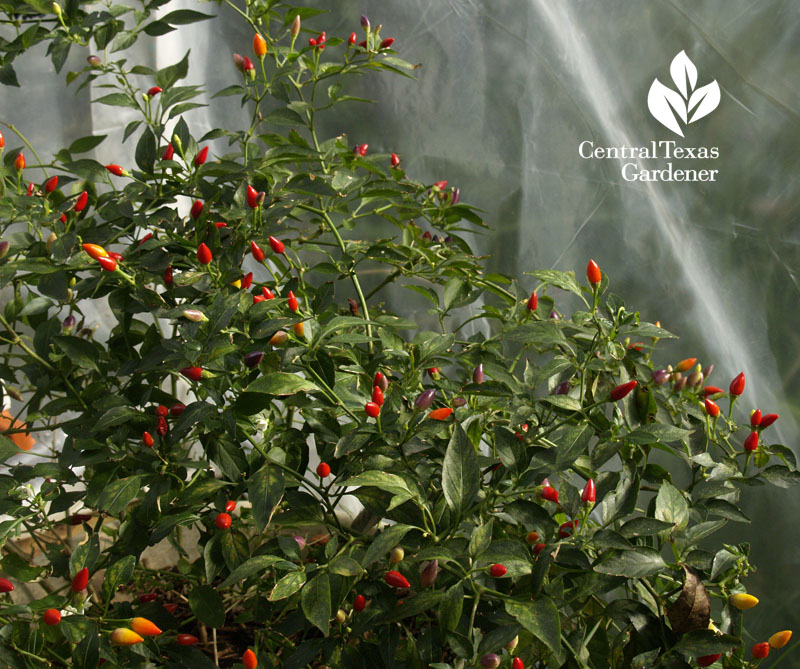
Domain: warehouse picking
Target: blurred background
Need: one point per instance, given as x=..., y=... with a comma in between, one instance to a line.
x=506, y=91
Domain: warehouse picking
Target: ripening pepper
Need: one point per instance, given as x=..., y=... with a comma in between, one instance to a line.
x=257, y=251
x=116, y=170
x=593, y=273
x=81, y=201
x=147, y=597
x=685, y=365
x=377, y=395
x=497, y=570
x=538, y=548
x=533, y=301
x=95, y=251
x=622, y=390
x=372, y=409
x=768, y=420
x=352, y=39
x=145, y=627
x=361, y=149
x=395, y=158
x=169, y=152
x=708, y=660
x=279, y=338
x=711, y=407
x=562, y=388
x=532, y=537
x=396, y=580
x=204, y=255
x=248, y=67
x=565, y=529
x=743, y=601
x=780, y=639
x=108, y=264
x=147, y=440
x=712, y=390
x=51, y=617
x=755, y=418
x=359, y=603
x=193, y=373
x=323, y=470
x=276, y=245
x=440, y=414
x=177, y=409
x=490, y=661
x=381, y=381
x=249, y=659
x=4, y=246
x=589, y=493
x=397, y=555
x=253, y=359
x=737, y=385
x=122, y=636
x=186, y=640
x=385, y=44
x=751, y=442
x=223, y=521
x=291, y=301
x=196, y=210
x=478, y=376
x=201, y=157
x=161, y=427
x=6, y=585
x=19, y=162
x=550, y=494
x=80, y=580
x=259, y=46
x=760, y=650
x=429, y=574
x=425, y=399
x=51, y=184
x=516, y=663
x=365, y=22
x=23, y=440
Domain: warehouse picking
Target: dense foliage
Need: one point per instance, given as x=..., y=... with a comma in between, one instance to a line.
x=534, y=490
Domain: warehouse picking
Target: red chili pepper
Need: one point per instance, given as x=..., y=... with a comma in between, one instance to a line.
x=395, y=157
x=593, y=273
x=168, y=275
x=768, y=420
x=312, y=41
x=711, y=407
x=153, y=91
x=268, y=294
x=19, y=162
x=80, y=580
x=360, y=601
x=565, y=529
x=249, y=659
x=94, y=251
x=352, y=39
x=258, y=298
x=171, y=608
x=230, y=505
x=362, y=149
x=292, y=302
x=147, y=597
x=533, y=301
x=538, y=548
x=204, y=255
x=322, y=37
x=377, y=396
x=440, y=414
x=441, y=185
x=148, y=440
x=116, y=170
x=116, y=256
x=145, y=627
x=251, y=194
x=396, y=580
x=363, y=44
x=385, y=44
x=200, y=158
x=5, y=585
x=276, y=245
x=168, y=152
x=751, y=442
x=193, y=373
x=63, y=218
x=81, y=201
x=161, y=410
x=186, y=640
x=589, y=493
x=223, y=521
x=220, y=224
x=712, y=390
x=3, y=139
x=51, y=184
x=196, y=210
x=51, y=617
x=755, y=418
x=149, y=235
x=31, y=189
x=550, y=494
x=372, y=409
x=737, y=385
x=162, y=428
x=622, y=390
x=708, y=660
x=323, y=470
x=257, y=251
x=761, y=650
x=259, y=46
x=497, y=570
x=177, y=409
x=108, y=264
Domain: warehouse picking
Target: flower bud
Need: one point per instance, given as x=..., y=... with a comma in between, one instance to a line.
x=365, y=22
x=3, y=249
x=194, y=315
x=455, y=196
x=425, y=399
x=429, y=574
x=295, y=29
x=511, y=645
x=301, y=542
x=238, y=61
x=660, y=376
x=56, y=9
x=94, y=61
x=707, y=371
x=69, y=323
x=554, y=315
x=477, y=374
x=458, y=402
x=694, y=379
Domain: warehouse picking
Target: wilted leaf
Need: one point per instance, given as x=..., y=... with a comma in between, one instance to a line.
x=692, y=609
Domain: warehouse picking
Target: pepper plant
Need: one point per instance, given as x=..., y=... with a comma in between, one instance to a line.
x=539, y=493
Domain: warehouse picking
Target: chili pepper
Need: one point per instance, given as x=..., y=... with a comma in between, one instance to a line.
x=122, y=636
x=497, y=570
x=593, y=273
x=161, y=410
x=362, y=149
x=712, y=390
x=259, y=46
x=238, y=61
x=3, y=139
x=223, y=521
x=396, y=580
x=116, y=170
x=276, y=245
x=177, y=409
x=516, y=663
x=425, y=399
x=108, y=264
x=168, y=275
x=323, y=470
x=148, y=440
x=291, y=302
x=385, y=44
x=19, y=162
x=51, y=184
x=685, y=365
x=69, y=322
x=161, y=427
x=490, y=661
x=81, y=202
x=395, y=158
x=477, y=374
x=186, y=640
x=737, y=385
x=363, y=44
x=268, y=294
x=440, y=414
x=145, y=627
x=695, y=378
x=6, y=585
x=31, y=188
x=247, y=280
x=4, y=245
x=565, y=529
x=708, y=660
x=381, y=381
x=743, y=601
x=550, y=494
x=397, y=555
x=280, y=337
x=359, y=603
x=622, y=390
x=154, y=90
x=201, y=157
x=171, y=608
x=51, y=617
x=196, y=210
x=562, y=388
x=433, y=372
x=377, y=396
x=538, y=548
x=204, y=255
x=253, y=359
x=193, y=373
x=80, y=580
x=751, y=442
x=148, y=597
x=147, y=237
x=755, y=418
x=768, y=420
x=249, y=659
x=533, y=301
x=589, y=493
x=760, y=650
x=295, y=29
x=780, y=639
x=116, y=256
x=258, y=298
x=194, y=315
x=429, y=574
x=95, y=251
x=312, y=41
x=248, y=68
x=711, y=407
x=372, y=409
x=169, y=152
x=257, y=251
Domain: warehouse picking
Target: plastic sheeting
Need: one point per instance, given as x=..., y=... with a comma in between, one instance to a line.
x=506, y=93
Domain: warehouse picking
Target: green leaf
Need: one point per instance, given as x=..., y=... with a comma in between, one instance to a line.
x=234, y=547
x=206, y=604
x=563, y=402
x=637, y=563
x=87, y=652
x=344, y=565
x=118, y=574
x=146, y=151
x=167, y=76
x=384, y=543
x=698, y=643
x=281, y=383
x=384, y=480
x=117, y=100
x=671, y=506
x=316, y=602
x=540, y=618
x=85, y=144
x=563, y=280
x=251, y=567
x=657, y=432
x=80, y=352
x=116, y=496
x=541, y=333
x=22, y=570
x=38, y=305
x=460, y=472
x=781, y=476
x=265, y=490
x=643, y=527
x=288, y=585
x=414, y=606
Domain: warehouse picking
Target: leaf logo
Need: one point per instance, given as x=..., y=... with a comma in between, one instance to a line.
x=686, y=105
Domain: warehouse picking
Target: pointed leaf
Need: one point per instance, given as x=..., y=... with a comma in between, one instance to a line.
x=460, y=473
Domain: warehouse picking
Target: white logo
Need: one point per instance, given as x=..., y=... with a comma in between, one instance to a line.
x=690, y=104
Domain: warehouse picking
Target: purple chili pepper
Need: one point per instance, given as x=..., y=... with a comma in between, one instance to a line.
x=69, y=322
x=477, y=375
x=254, y=359
x=458, y=402
x=425, y=399
x=562, y=388
x=660, y=376
x=455, y=196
